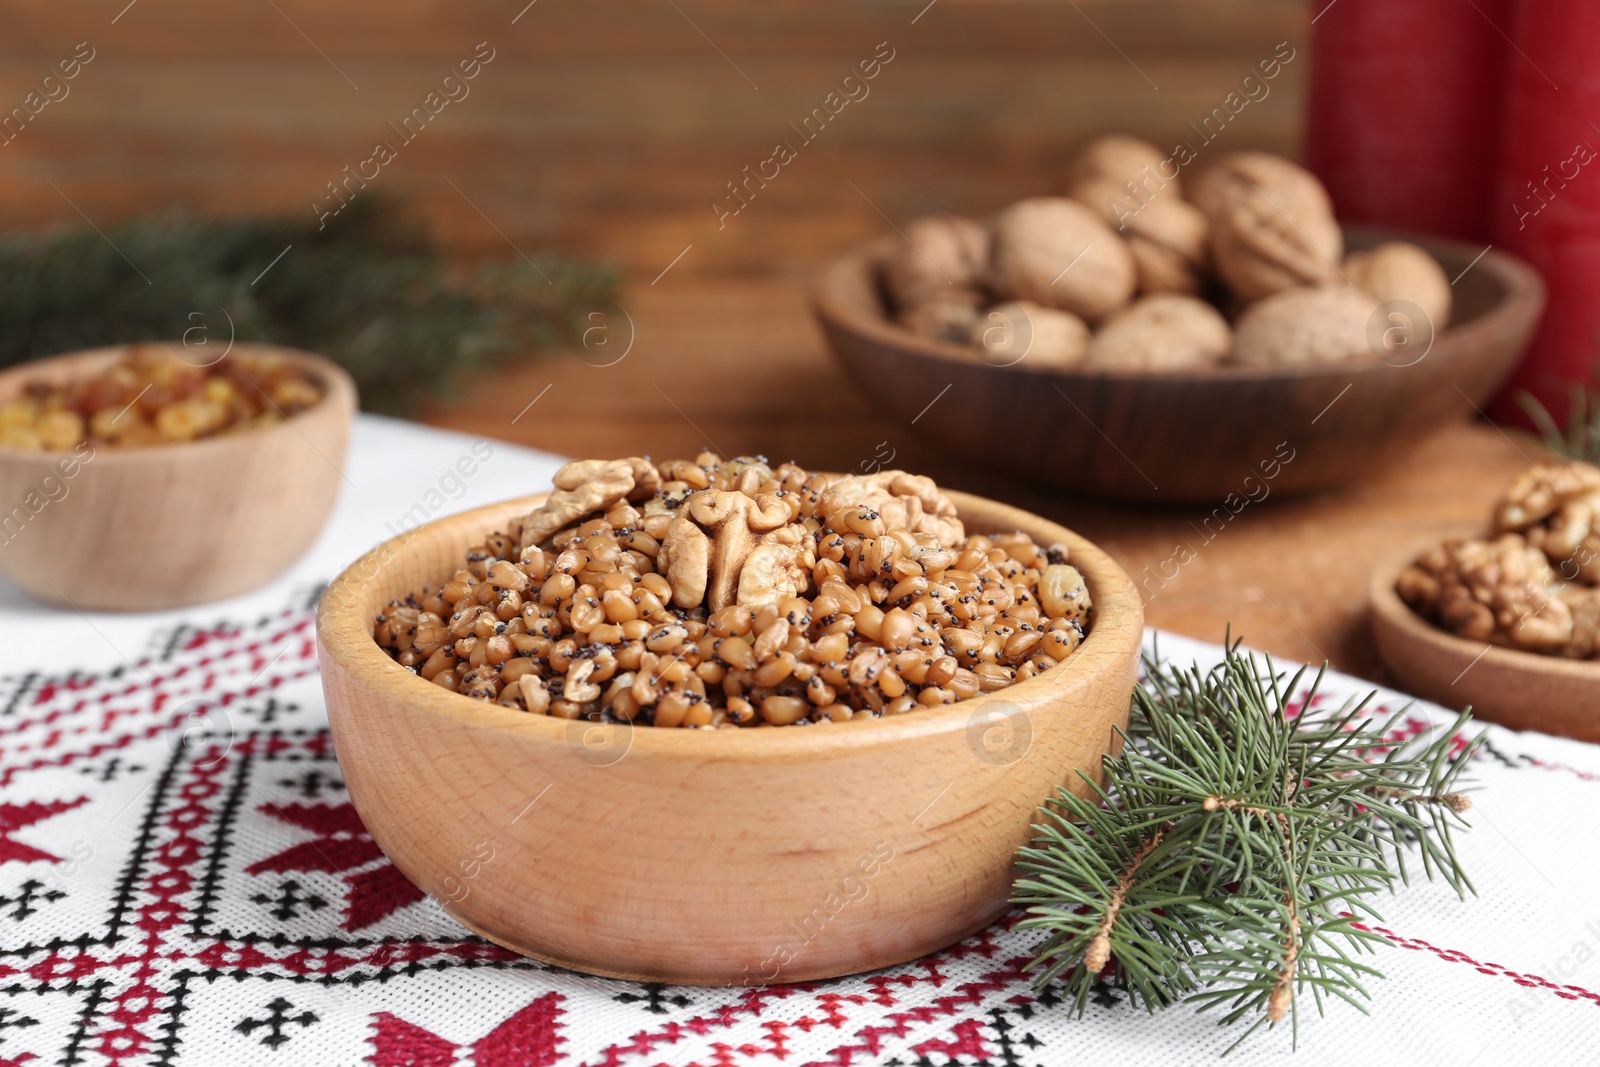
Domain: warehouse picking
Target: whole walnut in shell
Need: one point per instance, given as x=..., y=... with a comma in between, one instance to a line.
x=1398, y=270
x=1314, y=324
x=1056, y=252
x=1030, y=335
x=1166, y=235
x=1557, y=508
x=1159, y=333
x=949, y=317
x=941, y=254
x=1272, y=224
x=1118, y=158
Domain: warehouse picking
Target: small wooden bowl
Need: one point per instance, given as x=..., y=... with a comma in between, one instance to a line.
x=1191, y=436
x=1522, y=690
x=142, y=529
x=720, y=857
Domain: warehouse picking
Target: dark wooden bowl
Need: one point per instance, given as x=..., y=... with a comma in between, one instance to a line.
x=1196, y=436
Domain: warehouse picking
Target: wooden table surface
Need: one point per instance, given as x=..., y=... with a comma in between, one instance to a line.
x=739, y=367
x=612, y=129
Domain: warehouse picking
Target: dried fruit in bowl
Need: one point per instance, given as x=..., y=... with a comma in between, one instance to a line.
x=155, y=397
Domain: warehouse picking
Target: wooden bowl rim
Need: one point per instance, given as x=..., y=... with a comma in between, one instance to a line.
x=339, y=395
x=1414, y=628
x=344, y=636
x=1520, y=281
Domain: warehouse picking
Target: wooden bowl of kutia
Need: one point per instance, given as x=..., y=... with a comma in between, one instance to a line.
x=757, y=848
x=153, y=476
x=1176, y=331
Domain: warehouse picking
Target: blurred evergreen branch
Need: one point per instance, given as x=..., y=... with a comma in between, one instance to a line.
x=1581, y=438
x=372, y=291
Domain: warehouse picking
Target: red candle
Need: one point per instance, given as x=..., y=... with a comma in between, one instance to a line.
x=1546, y=204
x=1405, y=107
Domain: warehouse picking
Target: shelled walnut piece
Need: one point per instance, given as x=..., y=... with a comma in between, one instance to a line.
x=1501, y=591
x=713, y=593
x=1557, y=508
x=155, y=396
x=1534, y=586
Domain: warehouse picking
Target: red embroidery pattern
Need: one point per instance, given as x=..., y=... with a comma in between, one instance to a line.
x=1587, y=776
x=251, y=906
x=1533, y=981
x=81, y=717
x=342, y=845
x=530, y=1038
x=14, y=817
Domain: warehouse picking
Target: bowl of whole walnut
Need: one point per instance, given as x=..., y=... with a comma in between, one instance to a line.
x=1508, y=622
x=724, y=722
x=1167, y=328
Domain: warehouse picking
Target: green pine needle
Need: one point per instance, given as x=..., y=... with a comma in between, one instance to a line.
x=1580, y=439
x=1235, y=845
x=371, y=291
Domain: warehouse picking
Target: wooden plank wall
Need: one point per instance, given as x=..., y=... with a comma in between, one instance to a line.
x=610, y=128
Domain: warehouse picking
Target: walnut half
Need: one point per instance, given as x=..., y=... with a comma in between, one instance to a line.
x=1557, y=508
x=1501, y=591
x=582, y=488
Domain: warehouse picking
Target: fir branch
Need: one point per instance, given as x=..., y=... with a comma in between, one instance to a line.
x=1235, y=844
x=1580, y=439
x=1099, y=950
x=1456, y=802
x=372, y=291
